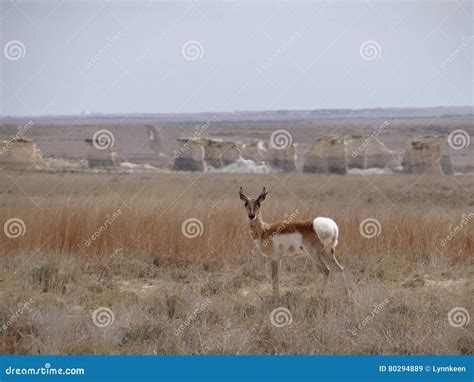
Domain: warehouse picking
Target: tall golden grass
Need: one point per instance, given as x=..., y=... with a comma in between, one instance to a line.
x=152, y=212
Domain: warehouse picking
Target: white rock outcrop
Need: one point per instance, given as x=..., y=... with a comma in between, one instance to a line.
x=422, y=156
x=326, y=155
x=189, y=155
x=231, y=152
x=282, y=158
x=20, y=154
x=369, y=152
x=255, y=150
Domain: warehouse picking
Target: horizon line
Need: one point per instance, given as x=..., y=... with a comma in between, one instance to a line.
x=119, y=114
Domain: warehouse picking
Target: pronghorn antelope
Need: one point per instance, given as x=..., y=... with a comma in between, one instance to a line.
x=315, y=238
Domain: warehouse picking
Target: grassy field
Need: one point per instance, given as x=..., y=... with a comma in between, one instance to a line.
x=103, y=264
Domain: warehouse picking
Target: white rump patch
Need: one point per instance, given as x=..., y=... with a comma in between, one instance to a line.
x=327, y=231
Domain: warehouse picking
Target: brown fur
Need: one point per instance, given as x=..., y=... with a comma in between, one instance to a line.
x=263, y=233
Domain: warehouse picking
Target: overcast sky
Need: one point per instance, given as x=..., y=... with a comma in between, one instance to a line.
x=158, y=57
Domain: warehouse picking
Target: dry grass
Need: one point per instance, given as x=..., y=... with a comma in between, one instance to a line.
x=155, y=280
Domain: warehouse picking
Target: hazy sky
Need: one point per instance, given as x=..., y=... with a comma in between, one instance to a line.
x=69, y=57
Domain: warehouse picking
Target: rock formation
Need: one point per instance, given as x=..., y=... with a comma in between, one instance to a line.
x=231, y=152
x=326, y=155
x=282, y=158
x=369, y=152
x=356, y=155
x=422, y=157
x=20, y=154
x=212, y=151
x=445, y=161
x=255, y=150
x=189, y=155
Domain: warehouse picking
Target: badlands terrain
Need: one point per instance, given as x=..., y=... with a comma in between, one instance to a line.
x=63, y=137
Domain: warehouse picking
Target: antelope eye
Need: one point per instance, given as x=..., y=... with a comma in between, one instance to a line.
x=246, y=204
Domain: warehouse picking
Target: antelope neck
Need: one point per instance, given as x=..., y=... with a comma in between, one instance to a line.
x=257, y=227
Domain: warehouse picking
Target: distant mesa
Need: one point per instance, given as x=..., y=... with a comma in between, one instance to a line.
x=189, y=155
x=212, y=153
x=427, y=155
x=282, y=158
x=327, y=155
x=255, y=150
x=20, y=154
x=231, y=152
x=369, y=152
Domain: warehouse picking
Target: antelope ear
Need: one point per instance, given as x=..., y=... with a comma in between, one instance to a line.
x=242, y=195
x=262, y=196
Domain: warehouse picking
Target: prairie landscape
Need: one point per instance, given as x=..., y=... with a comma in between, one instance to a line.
x=105, y=264
x=128, y=127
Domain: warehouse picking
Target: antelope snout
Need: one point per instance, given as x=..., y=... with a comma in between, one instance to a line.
x=251, y=216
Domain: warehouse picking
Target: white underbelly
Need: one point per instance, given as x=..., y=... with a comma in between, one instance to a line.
x=281, y=246
x=288, y=245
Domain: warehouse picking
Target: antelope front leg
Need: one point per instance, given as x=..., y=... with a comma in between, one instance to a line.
x=275, y=278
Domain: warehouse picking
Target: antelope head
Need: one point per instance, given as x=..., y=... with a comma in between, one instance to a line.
x=252, y=206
